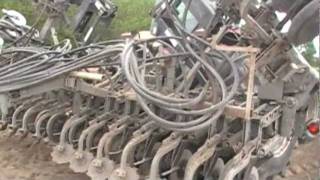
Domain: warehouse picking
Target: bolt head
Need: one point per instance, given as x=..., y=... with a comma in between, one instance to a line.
x=291, y=102
x=261, y=153
x=79, y=155
x=121, y=173
x=60, y=148
x=97, y=163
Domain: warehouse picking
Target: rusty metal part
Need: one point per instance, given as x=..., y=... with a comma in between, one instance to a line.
x=203, y=154
x=62, y=153
x=83, y=156
x=232, y=106
x=102, y=166
x=125, y=170
x=168, y=145
x=239, y=162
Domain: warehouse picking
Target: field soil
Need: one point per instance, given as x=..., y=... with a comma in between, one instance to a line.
x=25, y=160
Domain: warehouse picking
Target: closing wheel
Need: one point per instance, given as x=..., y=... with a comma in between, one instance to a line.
x=182, y=162
x=100, y=169
x=254, y=174
x=212, y=172
x=217, y=169
x=54, y=127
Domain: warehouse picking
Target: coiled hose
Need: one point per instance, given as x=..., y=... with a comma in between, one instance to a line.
x=200, y=98
x=178, y=103
x=37, y=67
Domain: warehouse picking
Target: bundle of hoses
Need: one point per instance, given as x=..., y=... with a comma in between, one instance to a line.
x=37, y=66
x=13, y=27
x=192, y=104
x=200, y=98
x=10, y=31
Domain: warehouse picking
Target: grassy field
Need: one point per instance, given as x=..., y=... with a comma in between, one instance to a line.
x=23, y=6
x=132, y=16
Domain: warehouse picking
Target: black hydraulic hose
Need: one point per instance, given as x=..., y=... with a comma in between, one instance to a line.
x=189, y=48
x=41, y=67
x=202, y=122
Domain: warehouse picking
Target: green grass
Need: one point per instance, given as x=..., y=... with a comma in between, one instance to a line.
x=23, y=6
x=132, y=16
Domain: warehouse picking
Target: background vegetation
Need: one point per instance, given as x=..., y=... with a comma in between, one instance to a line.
x=132, y=15
x=23, y=6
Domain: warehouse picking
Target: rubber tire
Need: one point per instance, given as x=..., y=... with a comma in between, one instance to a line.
x=305, y=25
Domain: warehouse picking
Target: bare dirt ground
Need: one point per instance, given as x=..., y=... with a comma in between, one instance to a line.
x=305, y=163
x=24, y=160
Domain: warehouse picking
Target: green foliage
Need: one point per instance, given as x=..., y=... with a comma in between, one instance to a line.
x=28, y=9
x=309, y=53
x=132, y=16
x=23, y=6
